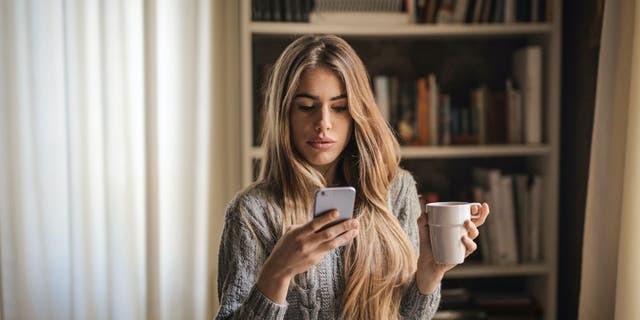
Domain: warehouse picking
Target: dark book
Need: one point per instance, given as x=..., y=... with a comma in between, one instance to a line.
x=523, y=10
x=296, y=6
x=544, y=11
x=496, y=120
x=498, y=11
x=305, y=7
x=486, y=11
x=276, y=10
x=421, y=10
x=265, y=8
x=256, y=14
x=470, y=11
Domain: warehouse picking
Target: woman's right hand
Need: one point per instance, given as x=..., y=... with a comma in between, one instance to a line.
x=300, y=248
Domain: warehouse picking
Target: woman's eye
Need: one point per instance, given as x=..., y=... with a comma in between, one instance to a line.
x=305, y=108
x=340, y=109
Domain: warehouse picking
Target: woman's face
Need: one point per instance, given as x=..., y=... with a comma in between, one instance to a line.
x=320, y=121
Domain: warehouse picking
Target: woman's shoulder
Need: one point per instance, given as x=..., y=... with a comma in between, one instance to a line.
x=403, y=180
x=249, y=203
x=253, y=212
x=402, y=186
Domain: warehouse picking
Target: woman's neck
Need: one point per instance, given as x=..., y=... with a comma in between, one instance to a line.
x=329, y=173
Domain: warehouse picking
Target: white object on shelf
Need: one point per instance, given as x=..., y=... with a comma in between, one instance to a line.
x=527, y=69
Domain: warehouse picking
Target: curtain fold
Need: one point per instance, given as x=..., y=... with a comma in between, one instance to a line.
x=628, y=280
x=610, y=286
x=106, y=112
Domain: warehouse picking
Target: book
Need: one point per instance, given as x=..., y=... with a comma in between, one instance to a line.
x=478, y=107
x=496, y=118
x=434, y=95
x=421, y=11
x=394, y=102
x=431, y=11
x=445, y=120
x=423, y=116
x=508, y=231
x=535, y=207
x=527, y=70
x=460, y=11
x=445, y=12
x=523, y=218
x=510, y=11
x=477, y=11
x=483, y=238
x=498, y=11
x=489, y=181
x=486, y=11
x=514, y=114
x=381, y=88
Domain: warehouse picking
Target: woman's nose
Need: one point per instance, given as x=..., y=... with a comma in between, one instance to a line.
x=324, y=121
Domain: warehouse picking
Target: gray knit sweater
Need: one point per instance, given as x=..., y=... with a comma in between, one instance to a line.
x=253, y=226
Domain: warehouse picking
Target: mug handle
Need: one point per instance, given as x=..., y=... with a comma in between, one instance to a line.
x=477, y=215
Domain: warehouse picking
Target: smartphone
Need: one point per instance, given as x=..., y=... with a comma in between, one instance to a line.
x=341, y=198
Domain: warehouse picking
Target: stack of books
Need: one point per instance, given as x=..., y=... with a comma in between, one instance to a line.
x=402, y=11
x=423, y=115
x=513, y=234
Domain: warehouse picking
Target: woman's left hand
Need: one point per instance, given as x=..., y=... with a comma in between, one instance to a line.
x=430, y=273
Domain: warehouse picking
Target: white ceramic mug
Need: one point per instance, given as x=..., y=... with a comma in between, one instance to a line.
x=446, y=229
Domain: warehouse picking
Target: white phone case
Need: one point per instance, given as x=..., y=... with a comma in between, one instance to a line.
x=341, y=198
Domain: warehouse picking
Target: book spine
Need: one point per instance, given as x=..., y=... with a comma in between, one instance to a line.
x=434, y=94
x=381, y=89
x=423, y=116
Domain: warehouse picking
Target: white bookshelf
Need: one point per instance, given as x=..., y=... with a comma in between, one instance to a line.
x=541, y=277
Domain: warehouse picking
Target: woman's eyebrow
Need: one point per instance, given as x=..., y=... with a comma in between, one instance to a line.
x=312, y=97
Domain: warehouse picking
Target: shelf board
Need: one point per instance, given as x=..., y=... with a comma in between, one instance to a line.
x=481, y=270
x=408, y=30
x=459, y=151
x=475, y=151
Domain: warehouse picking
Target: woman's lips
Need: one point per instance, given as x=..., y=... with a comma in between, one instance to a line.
x=321, y=144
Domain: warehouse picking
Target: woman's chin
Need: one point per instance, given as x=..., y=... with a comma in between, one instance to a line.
x=321, y=161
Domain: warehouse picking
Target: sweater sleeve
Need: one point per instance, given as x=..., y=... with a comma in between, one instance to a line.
x=406, y=206
x=240, y=259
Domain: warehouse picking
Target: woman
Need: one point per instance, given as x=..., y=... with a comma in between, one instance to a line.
x=323, y=128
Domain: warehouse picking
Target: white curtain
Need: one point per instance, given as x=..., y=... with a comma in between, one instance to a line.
x=107, y=206
x=610, y=285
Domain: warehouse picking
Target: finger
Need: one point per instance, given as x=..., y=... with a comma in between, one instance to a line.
x=469, y=245
x=320, y=221
x=484, y=212
x=341, y=240
x=474, y=210
x=423, y=219
x=472, y=230
x=335, y=231
x=423, y=225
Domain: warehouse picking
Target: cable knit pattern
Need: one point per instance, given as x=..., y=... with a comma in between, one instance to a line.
x=252, y=227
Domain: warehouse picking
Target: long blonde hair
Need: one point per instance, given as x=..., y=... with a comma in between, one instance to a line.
x=381, y=261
